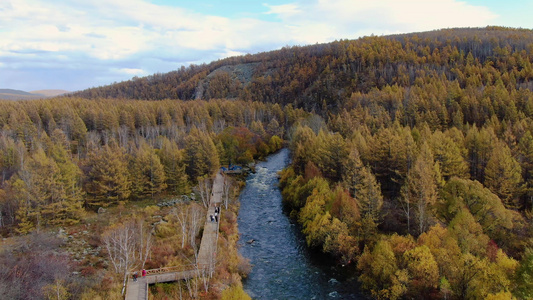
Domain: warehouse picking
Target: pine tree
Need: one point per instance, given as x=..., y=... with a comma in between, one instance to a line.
x=479, y=144
x=503, y=175
x=449, y=156
x=172, y=159
x=147, y=173
x=107, y=179
x=67, y=205
x=420, y=190
x=370, y=201
x=525, y=151
x=201, y=155
x=352, y=170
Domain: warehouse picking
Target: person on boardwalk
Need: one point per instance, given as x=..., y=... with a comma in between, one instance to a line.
x=211, y=218
x=216, y=217
x=135, y=276
x=143, y=273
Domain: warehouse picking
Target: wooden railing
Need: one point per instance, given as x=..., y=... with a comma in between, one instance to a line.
x=171, y=269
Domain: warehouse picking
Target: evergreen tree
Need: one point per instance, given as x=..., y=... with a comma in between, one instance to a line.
x=449, y=156
x=503, y=175
x=107, y=178
x=421, y=188
x=525, y=151
x=147, y=173
x=172, y=159
x=201, y=155
x=368, y=195
x=67, y=205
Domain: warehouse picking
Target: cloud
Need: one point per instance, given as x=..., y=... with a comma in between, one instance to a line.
x=284, y=9
x=136, y=37
x=324, y=20
x=131, y=71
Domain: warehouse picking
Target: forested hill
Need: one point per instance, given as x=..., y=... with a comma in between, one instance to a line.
x=326, y=75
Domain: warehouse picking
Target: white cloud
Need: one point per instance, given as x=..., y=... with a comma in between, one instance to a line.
x=325, y=20
x=131, y=71
x=284, y=9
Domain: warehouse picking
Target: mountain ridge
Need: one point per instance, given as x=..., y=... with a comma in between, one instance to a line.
x=322, y=76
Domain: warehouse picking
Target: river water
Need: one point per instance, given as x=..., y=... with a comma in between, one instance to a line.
x=282, y=265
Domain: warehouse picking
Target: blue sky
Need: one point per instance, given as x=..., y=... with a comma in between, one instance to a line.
x=77, y=44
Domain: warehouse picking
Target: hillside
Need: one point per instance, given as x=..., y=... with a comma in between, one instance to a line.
x=325, y=75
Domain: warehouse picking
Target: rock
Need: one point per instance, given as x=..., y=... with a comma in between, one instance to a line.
x=101, y=210
x=250, y=241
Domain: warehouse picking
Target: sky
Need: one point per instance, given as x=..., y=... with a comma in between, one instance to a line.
x=78, y=44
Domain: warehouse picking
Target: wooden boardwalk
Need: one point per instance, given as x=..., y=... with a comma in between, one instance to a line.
x=205, y=261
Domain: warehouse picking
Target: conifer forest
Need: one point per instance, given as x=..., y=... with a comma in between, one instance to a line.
x=411, y=165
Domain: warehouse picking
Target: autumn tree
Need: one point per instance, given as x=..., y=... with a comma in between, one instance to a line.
x=201, y=155
x=524, y=275
x=380, y=272
x=525, y=154
x=423, y=270
x=147, y=173
x=449, y=156
x=107, y=177
x=486, y=208
x=173, y=161
x=421, y=189
x=503, y=175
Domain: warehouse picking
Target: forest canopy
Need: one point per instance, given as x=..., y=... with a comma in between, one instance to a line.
x=412, y=155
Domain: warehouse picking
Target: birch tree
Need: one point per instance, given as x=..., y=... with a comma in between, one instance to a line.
x=120, y=243
x=226, y=189
x=182, y=216
x=195, y=220
x=205, y=185
x=128, y=246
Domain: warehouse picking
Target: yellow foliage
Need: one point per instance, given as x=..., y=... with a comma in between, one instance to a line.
x=235, y=292
x=500, y=296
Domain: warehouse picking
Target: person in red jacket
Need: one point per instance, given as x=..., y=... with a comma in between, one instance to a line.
x=143, y=272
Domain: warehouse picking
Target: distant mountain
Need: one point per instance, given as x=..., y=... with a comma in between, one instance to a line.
x=15, y=92
x=50, y=93
x=324, y=77
x=11, y=94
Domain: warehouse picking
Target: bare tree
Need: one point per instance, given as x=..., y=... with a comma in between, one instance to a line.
x=128, y=246
x=195, y=222
x=203, y=275
x=144, y=242
x=192, y=286
x=205, y=185
x=182, y=216
x=226, y=188
x=120, y=244
x=405, y=202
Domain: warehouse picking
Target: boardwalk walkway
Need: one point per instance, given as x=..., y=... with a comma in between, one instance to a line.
x=205, y=261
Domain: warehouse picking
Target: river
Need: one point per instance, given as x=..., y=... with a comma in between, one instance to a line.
x=282, y=265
